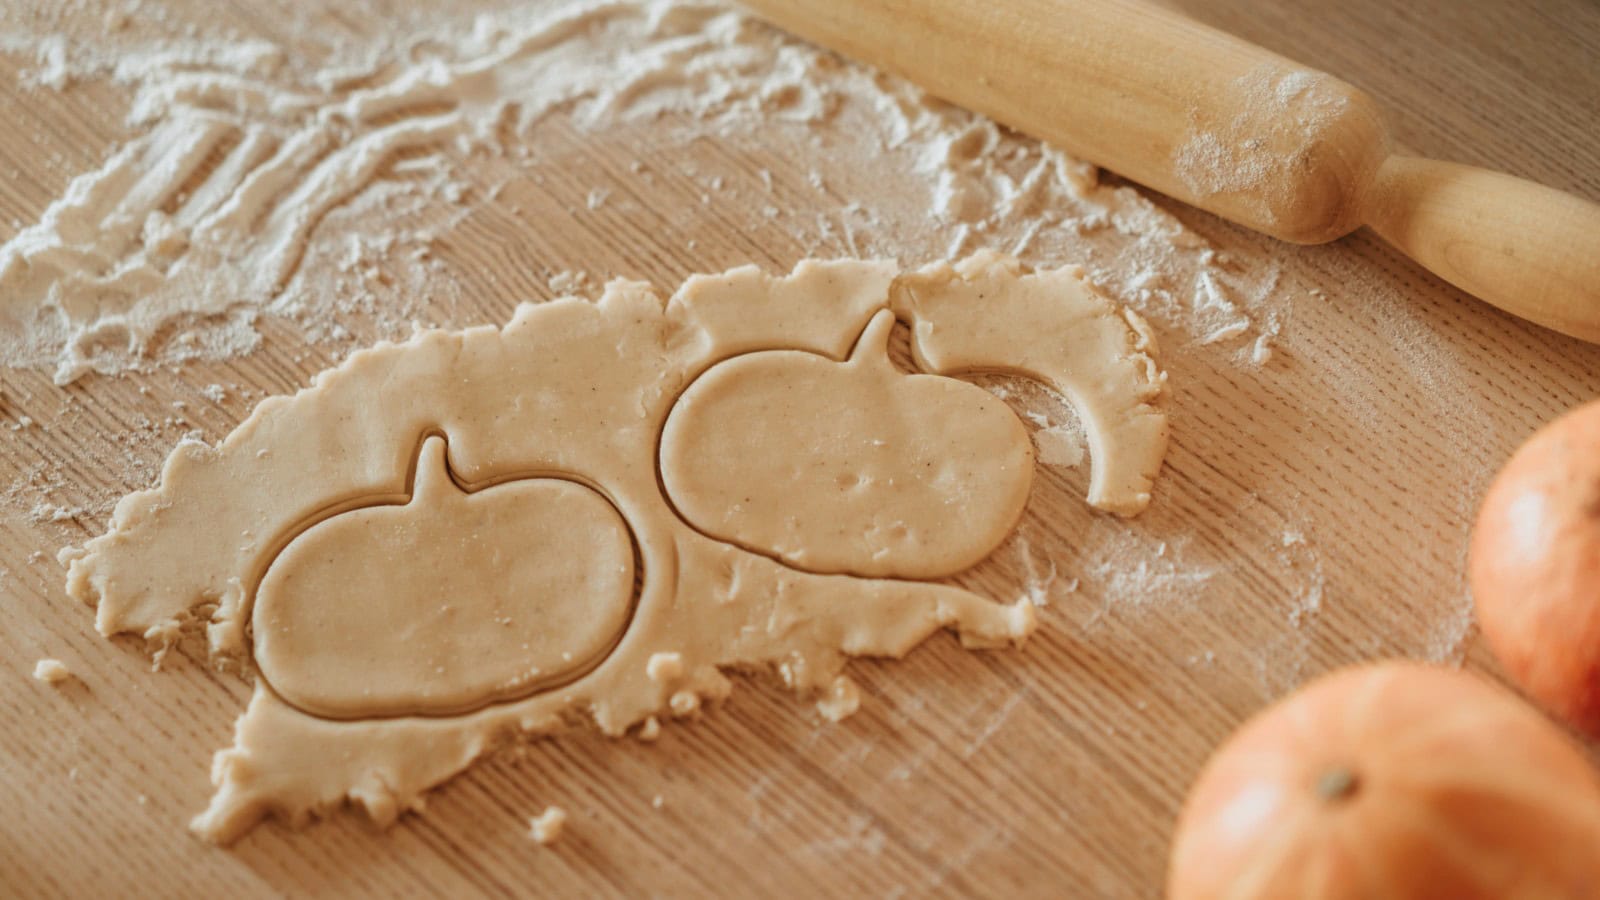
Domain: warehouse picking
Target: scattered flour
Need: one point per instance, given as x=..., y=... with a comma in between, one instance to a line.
x=1128, y=575
x=1058, y=445
x=258, y=181
x=841, y=699
x=51, y=512
x=1038, y=580
x=567, y=283
x=218, y=208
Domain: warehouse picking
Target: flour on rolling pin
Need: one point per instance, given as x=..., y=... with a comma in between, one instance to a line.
x=1291, y=106
x=255, y=180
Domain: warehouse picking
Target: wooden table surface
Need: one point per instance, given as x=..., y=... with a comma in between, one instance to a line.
x=1323, y=500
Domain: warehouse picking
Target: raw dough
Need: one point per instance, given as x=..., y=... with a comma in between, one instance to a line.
x=848, y=467
x=576, y=393
x=546, y=827
x=51, y=671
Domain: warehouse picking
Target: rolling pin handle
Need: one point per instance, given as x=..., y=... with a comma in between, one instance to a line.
x=1531, y=250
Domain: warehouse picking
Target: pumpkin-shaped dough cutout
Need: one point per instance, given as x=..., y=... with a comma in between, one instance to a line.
x=447, y=603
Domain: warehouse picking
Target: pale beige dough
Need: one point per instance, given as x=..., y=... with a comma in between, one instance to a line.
x=986, y=314
x=307, y=528
x=51, y=671
x=547, y=827
x=486, y=596
x=850, y=466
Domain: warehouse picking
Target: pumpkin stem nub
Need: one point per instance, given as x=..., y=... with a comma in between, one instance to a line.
x=1338, y=784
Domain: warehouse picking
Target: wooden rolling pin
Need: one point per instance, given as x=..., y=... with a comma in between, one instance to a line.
x=1231, y=128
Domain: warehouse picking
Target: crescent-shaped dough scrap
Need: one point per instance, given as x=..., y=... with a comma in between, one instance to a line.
x=987, y=314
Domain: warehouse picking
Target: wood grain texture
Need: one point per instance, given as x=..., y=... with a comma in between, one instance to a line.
x=1053, y=771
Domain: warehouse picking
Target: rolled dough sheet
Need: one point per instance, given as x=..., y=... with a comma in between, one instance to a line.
x=588, y=514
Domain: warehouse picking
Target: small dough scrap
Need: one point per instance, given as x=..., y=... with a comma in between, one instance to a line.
x=51, y=671
x=371, y=531
x=650, y=730
x=986, y=314
x=841, y=700
x=546, y=828
x=664, y=668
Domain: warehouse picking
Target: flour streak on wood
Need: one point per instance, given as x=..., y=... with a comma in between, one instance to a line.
x=1350, y=464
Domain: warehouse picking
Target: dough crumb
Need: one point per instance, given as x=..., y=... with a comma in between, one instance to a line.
x=684, y=703
x=1261, y=351
x=657, y=802
x=841, y=701
x=650, y=730
x=546, y=827
x=664, y=668
x=51, y=671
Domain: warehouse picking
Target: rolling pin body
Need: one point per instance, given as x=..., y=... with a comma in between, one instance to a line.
x=1229, y=127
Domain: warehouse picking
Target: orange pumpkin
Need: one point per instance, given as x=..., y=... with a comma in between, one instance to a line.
x=1395, y=780
x=1535, y=567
